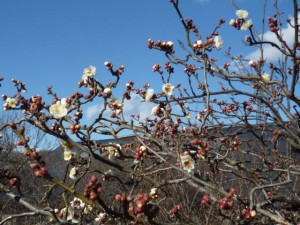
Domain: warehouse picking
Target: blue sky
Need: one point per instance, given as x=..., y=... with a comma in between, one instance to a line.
x=51, y=42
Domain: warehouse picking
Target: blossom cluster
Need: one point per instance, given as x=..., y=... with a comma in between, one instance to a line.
x=241, y=23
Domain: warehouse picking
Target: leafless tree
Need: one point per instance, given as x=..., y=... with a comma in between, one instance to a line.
x=224, y=156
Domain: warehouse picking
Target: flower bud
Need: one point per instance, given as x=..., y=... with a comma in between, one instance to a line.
x=93, y=179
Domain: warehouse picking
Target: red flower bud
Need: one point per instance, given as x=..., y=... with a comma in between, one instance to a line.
x=34, y=166
x=93, y=179
x=12, y=125
x=93, y=196
x=22, y=129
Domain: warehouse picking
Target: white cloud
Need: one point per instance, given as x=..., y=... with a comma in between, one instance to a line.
x=133, y=106
x=92, y=111
x=272, y=53
x=136, y=106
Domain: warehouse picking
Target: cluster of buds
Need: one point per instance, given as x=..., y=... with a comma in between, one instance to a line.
x=150, y=43
x=37, y=104
x=230, y=108
x=201, y=114
x=108, y=65
x=156, y=68
x=221, y=21
x=175, y=127
x=235, y=144
x=49, y=91
x=248, y=105
x=120, y=70
x=55, y=127
x=191, y=25
x=169, y=68
x=163, y=128
x=75, y=95
x=138, y=206
x=267, y=113
x=14, y=181
x=203, y=149
x=19, y=85
x=252, y=64
x=82, y=83
x=249, y=40
x=26, y=140
x=39, y=166
x=130, y=86
x=122, y=198
x=273, y=24
x=1, y=79
x=78, y=115
x=128, y=146
x=140, y=153
x=166, y=46
x=75, y=128
x=190, y=69
x=146, y=85
x=93, y=188
x=226, y=203
x=277, y=135
x=175, y=210
x=248, y=214
x=226, y=65
x=223, y=140
x=127, y=95
x=205, y=199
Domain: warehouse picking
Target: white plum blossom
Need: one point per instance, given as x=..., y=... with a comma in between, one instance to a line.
x=88, y=73
x=266, y=77
x=117, y=105
x=170, y=43
x=113, y=151
x=70, y=214
x=77, y=203
x=157, y=111
x=187, y=162
x=74, y=172
x=101, y=218
x=67, y=155
x=218, y=42
x=246, y=25
x=168, y=89
x=189, y=115
x=242, y=14
x=107, y=90
x=251, y=63
x=149, y=94
x=87, y=209
x=11, y=102
x=59, y=109
x=197, y=43
x=153, y=192
x=232, y=22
